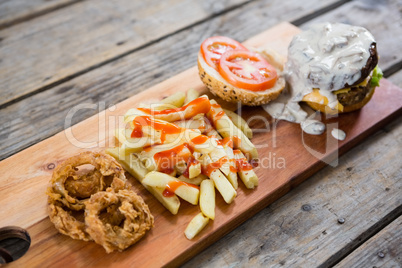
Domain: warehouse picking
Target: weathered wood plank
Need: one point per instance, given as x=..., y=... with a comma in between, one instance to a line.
x=382, y=250
x=135, y=72
x=302, y=229
x=72, y=40
x=16, y=11
x=396, y=78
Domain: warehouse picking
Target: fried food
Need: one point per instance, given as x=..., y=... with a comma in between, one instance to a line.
x=117, y=220
x=173, y=151
x=72, y=186
x=89, y=200
x=67, y=221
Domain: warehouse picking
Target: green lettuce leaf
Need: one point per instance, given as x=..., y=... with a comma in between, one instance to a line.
x=377, y=75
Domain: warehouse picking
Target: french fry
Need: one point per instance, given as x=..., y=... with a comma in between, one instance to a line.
x=152, y=133
x=131, y=114
x=201, y=143
x=164, y=155
x=138, y=171
x=193, y=108
x=213, y=132
x=177, y=129
x=232, y=176
x=224, y=187
x=180, y=166
x=131, y=145
x=248, y=176
x=176, y=99
x=216, y=155
x=191, y=95
x=194, y=170
x=193, y=123
x=207, y=198
x=226, y=128
x=196, y=180
x=196, y=225
x=186, y=191
x=239, y=122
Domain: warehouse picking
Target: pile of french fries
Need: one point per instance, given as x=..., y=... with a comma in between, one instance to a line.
x=185, y=147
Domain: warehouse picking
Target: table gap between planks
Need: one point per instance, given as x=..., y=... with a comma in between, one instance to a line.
x=125, y=88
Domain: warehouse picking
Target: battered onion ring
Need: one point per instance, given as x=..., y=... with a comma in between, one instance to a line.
x=73, y=189
x=66, y=223
x=117, y=220
x=69, y=190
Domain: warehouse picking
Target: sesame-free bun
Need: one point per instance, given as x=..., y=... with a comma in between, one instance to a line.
x=220, y=87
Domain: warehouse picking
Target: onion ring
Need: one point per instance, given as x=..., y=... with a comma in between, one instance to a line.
x=73, y=189
x=68, y=223
x=117, y=220
x=69, y=190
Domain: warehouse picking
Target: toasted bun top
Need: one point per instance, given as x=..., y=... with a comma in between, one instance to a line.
x=220, y=87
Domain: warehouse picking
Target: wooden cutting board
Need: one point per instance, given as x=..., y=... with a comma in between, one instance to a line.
x=287, y=158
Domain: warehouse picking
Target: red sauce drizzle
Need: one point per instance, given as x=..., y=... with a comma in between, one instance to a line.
x=215, y=165
x=219, y=142
x=200, y=139
x=215, y=105
x=227, y=142
x=166, y=160
x=233, y=169
x=190, y=161
x=214, y=116
x=242, y=164
x=236, y=141
x=165, y=128
x=172, y=186
x=199, y=105
x=219, y=115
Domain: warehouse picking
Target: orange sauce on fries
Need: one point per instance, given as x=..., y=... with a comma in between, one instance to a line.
x=165, y=128
x=200, y=105
x=172, y=186
x=215, y=165
x=191, y=161
x=219, y=115
x=166, y=160
x=242, y=164
x=199, y=139
x=227, y=142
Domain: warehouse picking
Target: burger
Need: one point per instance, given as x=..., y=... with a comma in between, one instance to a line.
x=333, y=67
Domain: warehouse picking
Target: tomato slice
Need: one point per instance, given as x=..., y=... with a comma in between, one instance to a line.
x=213, y=48
x=247, y=70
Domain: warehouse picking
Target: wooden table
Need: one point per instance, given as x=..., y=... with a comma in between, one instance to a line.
x=57, y=54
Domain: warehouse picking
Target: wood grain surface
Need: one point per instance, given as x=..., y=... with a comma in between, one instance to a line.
x=382, y=250
x=46, y=61
x=16, y=11
x=27, y=184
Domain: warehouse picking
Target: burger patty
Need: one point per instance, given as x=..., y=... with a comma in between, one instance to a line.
x=358, y=93
x=354, y=95
x=370, y=65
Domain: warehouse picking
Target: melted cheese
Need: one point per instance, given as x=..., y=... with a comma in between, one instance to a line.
x=316, y=97
x=347, y=89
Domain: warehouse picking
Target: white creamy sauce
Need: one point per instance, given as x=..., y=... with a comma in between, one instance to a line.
x=327, y=56
x=313, y=127
x=338, y=134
